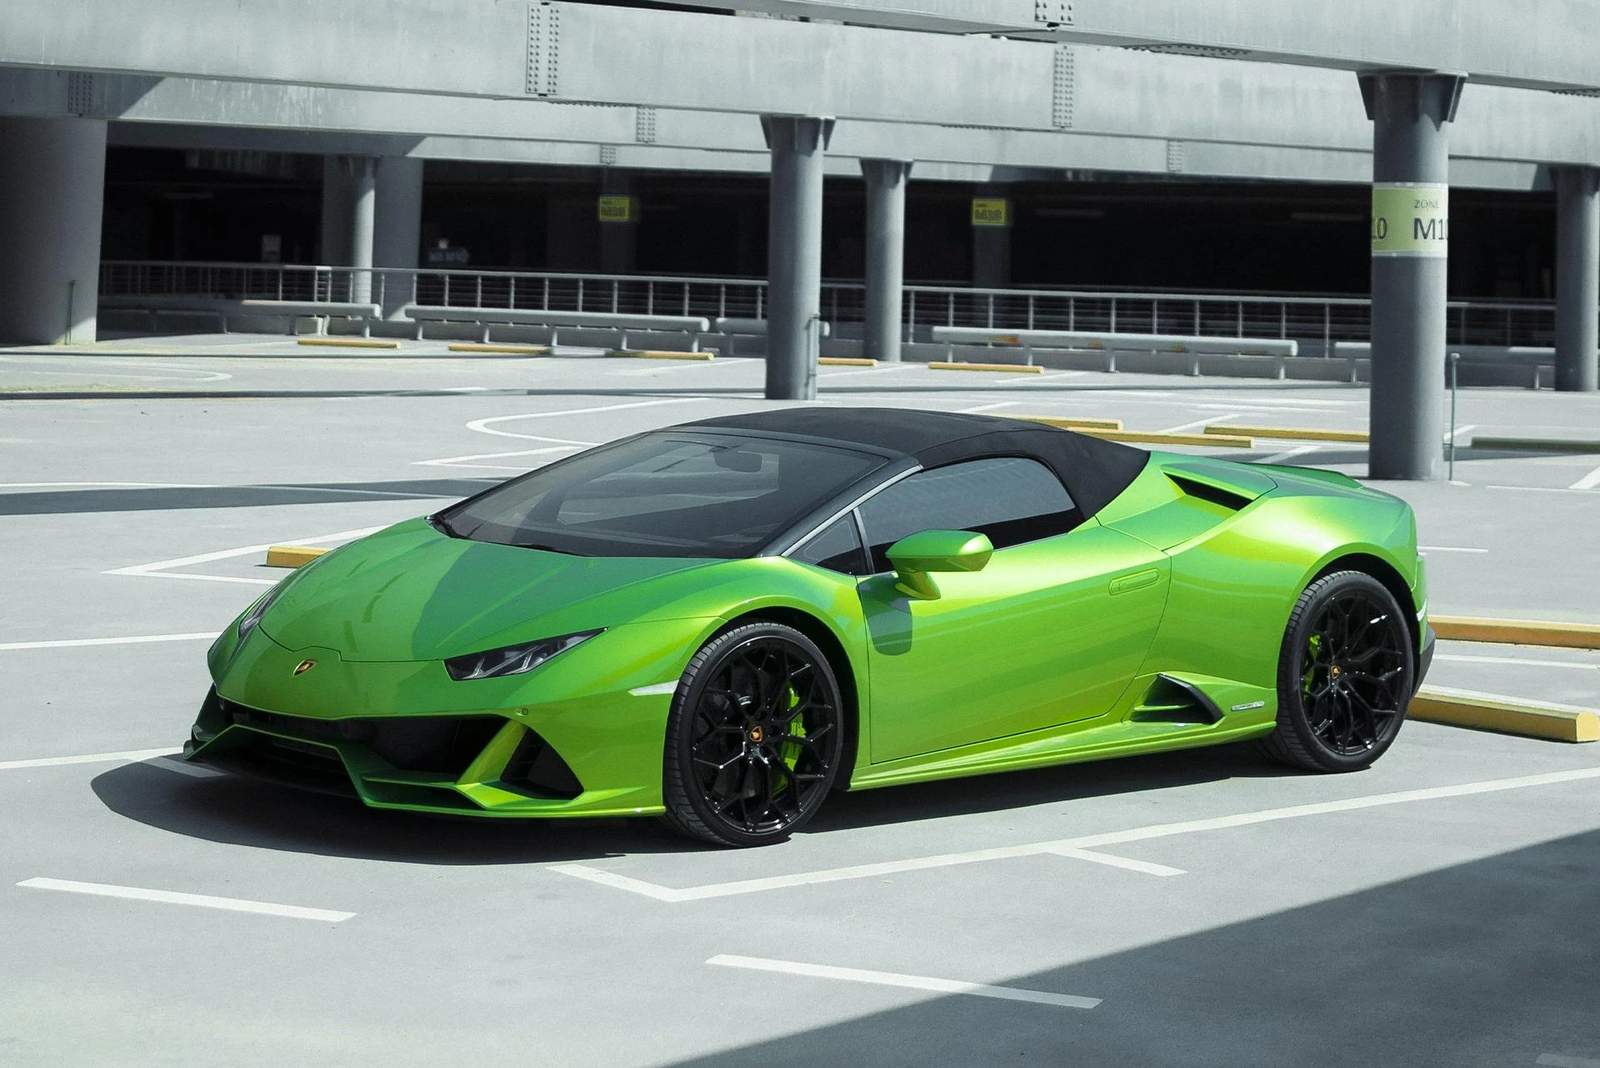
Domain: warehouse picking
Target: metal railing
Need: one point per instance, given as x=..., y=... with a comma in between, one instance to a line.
x=1316, y=321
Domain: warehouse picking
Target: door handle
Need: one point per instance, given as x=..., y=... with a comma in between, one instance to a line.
x=1136, y=581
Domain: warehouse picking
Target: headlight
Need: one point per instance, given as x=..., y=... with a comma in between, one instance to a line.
x=252, y=617
x=513, y=659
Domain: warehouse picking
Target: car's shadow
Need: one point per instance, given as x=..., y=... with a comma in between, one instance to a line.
x=239, y=811
x=1025, y=789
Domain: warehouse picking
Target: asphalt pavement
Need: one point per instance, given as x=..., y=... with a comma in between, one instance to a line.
x=1196, y=909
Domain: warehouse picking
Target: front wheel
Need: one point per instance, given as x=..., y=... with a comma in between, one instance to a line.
x=1344, y=675
x=754, y=738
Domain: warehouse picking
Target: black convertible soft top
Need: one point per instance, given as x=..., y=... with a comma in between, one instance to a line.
x=1094, y=471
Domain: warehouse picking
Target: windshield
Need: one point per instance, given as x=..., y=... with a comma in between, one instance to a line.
x=662, y=494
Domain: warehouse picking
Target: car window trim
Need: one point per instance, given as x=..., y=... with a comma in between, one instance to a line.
x=839, y=513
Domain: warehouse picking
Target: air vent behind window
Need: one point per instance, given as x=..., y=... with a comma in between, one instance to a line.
x=1207, y=492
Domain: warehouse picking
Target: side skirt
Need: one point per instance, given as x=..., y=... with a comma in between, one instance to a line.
x=1112, y=735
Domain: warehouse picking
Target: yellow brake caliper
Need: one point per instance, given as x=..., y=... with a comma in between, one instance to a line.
x=790, y=753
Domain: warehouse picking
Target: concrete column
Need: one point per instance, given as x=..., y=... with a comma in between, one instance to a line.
x=52, y=194
x=794, y=253
x=1411, y=112
x=1577, y=277
x=886, y=254
x=335, y=248
x=397, y=237
x=362, y=224
x=991, y=240
x=619, y=237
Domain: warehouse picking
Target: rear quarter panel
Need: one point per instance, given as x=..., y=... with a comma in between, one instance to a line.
x=1235, y=584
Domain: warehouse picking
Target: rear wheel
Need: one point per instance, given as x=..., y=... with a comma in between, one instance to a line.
x=754, y=738
x=1344, y=675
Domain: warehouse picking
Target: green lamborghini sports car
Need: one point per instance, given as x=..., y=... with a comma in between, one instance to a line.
x=721, y=622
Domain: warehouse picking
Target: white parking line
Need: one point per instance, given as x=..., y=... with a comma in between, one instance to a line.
x=1198, y=423
x=1542, y=489
x=211, y=376
x=1448, y=549
x=125, y=485
x=667, y=368
x=1589, y=481
x=462, y=461
x=129, y=756
x=161, y=568
x=183, y=767
x=1032, y=380
x=483, y=426
x=132, y=639
x=1136, y=834
x=908, y=982
x=171, y=897
x=1258, y=406
x=989, y=407
x=1291, y=454
x=1467, y=658
x=883, y=369
x=337, y=490
x=1117, y=862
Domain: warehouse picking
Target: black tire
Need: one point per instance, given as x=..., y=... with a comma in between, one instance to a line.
x=737, y=771
x=1345, y=675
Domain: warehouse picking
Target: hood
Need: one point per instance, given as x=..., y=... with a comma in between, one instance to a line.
x=413, y=593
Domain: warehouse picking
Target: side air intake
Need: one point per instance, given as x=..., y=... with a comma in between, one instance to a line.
x=1230, y=485
x=1208, y=492
x=1171, y=700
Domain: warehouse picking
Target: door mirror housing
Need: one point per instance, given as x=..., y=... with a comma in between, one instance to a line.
x=918, y=557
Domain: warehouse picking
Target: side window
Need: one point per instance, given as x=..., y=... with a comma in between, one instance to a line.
x=1011, y=499
x=837, y=548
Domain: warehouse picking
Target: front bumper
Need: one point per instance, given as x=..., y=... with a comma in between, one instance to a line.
x=477, y=765
x=568, y=739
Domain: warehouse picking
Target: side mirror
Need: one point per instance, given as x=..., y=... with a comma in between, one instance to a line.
x=917, y=557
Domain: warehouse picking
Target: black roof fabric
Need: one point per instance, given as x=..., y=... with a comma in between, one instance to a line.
x=1094, y=471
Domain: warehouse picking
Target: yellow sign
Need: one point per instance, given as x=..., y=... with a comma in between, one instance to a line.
x=1411, y=219
x=619, y=209
x=991, y=211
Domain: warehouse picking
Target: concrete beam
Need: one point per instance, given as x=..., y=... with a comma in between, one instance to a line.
x=1013, y=161
x=515, y=53
x=1155, y=115
x=1503, y=43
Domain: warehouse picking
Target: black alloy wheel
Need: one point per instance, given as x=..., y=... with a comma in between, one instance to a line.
x=1344, y=676
x=754, y=739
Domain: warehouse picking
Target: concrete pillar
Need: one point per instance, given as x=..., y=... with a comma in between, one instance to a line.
x=618, y=217
x=794, y=253
x=1410, y=112
x=991, y=238
x=886, y=254
x=362, y=224
x=1577, y=277
x=52, y=194
x=397, y=236
x=335, y=246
